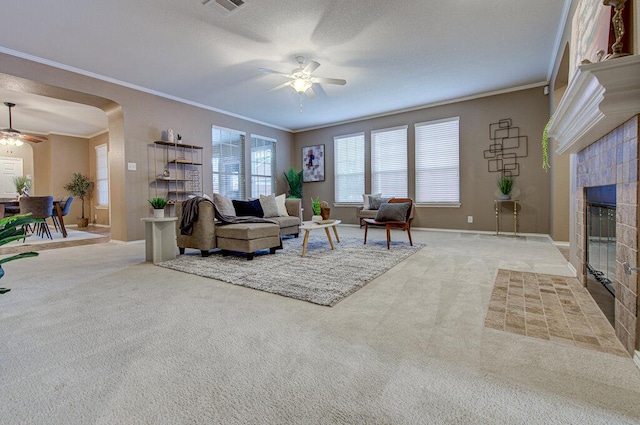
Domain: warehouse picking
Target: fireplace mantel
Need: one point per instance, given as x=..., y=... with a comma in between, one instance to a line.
x=600, y=97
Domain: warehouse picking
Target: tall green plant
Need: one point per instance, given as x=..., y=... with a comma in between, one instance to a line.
x=80, y=186
x=12, y=229
x=294, y=180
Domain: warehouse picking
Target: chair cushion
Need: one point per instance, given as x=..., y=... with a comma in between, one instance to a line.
x=366, y=199
x=248, y=208
x=393, y=212
x=376, y=201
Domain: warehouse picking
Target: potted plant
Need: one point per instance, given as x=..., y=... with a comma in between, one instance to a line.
x=158, y=205
x=317, y=210
x=505, y=185
x=294, y=179
x=80, y=187
x=22, y=185
x=12, y=229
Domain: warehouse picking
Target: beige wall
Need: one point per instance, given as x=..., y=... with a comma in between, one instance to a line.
x=135, y=120
x=528, y=109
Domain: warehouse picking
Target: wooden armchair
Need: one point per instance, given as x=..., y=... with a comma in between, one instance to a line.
x=403, y=223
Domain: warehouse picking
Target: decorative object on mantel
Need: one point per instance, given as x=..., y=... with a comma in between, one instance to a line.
x=545, y=146
x=158, y=205
x=505, y=185
x=506, y=147
x=618, y=28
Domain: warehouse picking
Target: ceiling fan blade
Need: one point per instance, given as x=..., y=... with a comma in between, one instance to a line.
x=271, y=71
x=33, y=139
x=311, y=66
x=311, y=93
x=328, y=80
x=281, y=86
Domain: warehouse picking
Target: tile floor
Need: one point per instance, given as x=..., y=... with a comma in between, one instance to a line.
x=555, y=308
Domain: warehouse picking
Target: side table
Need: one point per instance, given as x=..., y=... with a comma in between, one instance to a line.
x=498, y=208
x=160, y=238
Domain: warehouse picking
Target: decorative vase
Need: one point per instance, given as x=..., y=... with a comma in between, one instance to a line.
x=505, y=197
x=324, y=213
x=316, y=218
x=170, y=136
x=158, y=213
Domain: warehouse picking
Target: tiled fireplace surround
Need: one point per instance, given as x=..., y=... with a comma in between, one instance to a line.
x=613, y=159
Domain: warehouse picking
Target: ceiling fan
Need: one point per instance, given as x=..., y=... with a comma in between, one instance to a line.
x=11, y=136
x=301, y=80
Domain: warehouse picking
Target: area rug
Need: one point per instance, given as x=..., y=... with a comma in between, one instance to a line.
x=555, y=308
x=323, y=277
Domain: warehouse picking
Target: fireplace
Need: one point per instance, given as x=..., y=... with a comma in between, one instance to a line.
x=607, y=221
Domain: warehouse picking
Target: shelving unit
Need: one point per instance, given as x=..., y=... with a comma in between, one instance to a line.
x=175, y=171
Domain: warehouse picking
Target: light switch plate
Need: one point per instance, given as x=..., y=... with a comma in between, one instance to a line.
x=132, y=166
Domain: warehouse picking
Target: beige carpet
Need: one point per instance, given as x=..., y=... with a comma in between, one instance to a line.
x=556, y=308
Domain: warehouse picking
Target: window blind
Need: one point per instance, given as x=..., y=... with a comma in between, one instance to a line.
x=349, y=168
x=263, y=166
x=389, y=162
x=102, y=175
x=227, y=159
x=438, y=161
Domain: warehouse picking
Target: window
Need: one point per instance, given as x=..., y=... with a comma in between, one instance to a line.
x=438, y=161
x=349, y=168
x=389, y=162
x=227, y=161
x=263, y=166
x=102, y=176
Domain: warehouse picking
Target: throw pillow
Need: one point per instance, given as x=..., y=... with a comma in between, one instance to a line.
x=366, y=199
x=269, y=206
x=393, y=212
x=375, y=202
x=248, y=208
x=224, y=204
x=282, y=208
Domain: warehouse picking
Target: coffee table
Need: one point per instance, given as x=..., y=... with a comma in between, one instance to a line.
x=308, y=226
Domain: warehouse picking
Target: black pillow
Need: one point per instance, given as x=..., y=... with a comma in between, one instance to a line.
x=248, y=208
x=393, y=212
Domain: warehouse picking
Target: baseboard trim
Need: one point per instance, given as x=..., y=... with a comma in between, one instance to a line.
x=572, y=269
x=477, y=232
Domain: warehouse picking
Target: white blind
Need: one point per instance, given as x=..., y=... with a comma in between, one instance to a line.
x=349, y=168
x=227, y=159
x=263, y=165
x=102, y=175
x=389, y=162
x=438, y=161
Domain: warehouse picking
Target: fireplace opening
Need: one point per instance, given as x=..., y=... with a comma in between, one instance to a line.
x=601, y=244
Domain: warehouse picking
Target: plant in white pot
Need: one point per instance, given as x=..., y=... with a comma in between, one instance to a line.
x=80, y=187
x=158, y=205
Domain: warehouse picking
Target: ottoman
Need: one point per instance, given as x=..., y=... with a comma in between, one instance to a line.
x=248, y=238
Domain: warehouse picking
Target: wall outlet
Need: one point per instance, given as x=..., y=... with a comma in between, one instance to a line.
x=132, y=166
x=470, y=219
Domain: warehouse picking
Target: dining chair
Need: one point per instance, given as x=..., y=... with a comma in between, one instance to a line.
x=65, y=205
x=396, y=214
x=39, y=207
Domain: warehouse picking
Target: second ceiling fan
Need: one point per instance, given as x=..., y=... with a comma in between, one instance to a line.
x=11, y=136
x=301, y=80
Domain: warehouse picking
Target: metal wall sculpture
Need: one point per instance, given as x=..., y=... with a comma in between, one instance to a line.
x=507, y=145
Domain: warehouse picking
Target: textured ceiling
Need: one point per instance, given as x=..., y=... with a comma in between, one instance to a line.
x=394, y=55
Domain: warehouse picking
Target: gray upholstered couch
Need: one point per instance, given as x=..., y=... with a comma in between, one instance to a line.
x=243, y=237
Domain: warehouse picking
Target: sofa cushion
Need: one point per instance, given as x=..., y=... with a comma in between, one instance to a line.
x=287, y=221
x=269, y=206
x=281, y=202
x=247, y=230
x=366, y=197
x=224, y=204
x=393, y=212
x=248, y=208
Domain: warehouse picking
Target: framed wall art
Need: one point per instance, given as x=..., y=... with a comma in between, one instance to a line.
x=313, y=163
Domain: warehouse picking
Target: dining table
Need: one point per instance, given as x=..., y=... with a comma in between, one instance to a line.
x=9, y=207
